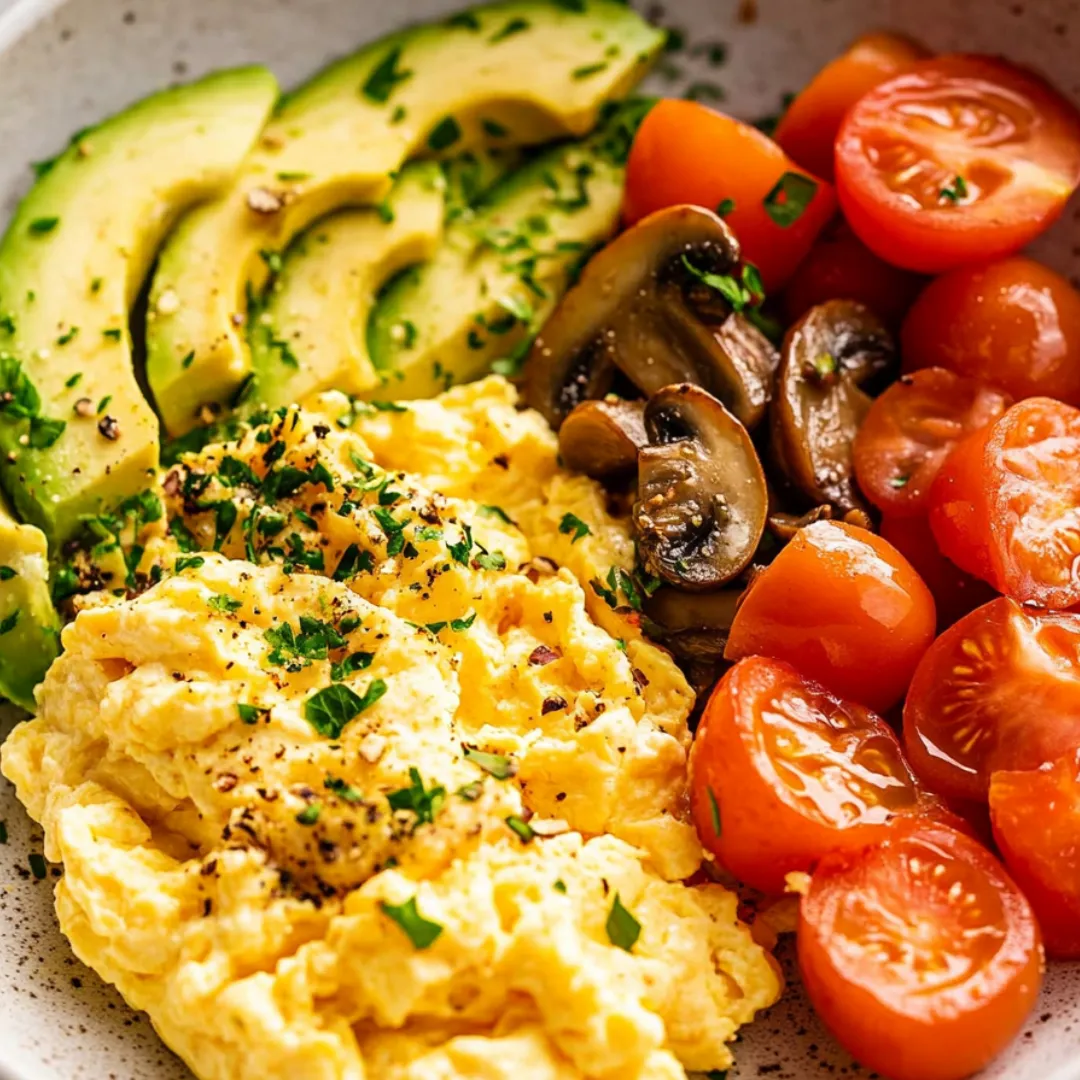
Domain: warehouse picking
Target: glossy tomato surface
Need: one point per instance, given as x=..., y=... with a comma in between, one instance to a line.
x=1006, y=504
x=845, y=608
x=920, y=953
x=959, y=160
x=998, y=690
x=841, y=267
x=910, y=430
x=1036, y=818
x=782, y=772
x=1013, y=323
x=807, y=131
x=686, y=153
x=955, y=591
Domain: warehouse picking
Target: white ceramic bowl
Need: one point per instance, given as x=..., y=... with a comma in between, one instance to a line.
x=66, y=64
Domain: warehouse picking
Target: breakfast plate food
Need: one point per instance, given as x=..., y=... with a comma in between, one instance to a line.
x=512, y=565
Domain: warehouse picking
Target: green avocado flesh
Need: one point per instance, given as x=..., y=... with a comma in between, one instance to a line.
x=75, y=430
x=311, y=334
x=29, y=627
x=512, y=73
x=500, y=271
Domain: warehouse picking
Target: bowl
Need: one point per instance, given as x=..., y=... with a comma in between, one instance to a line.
x=67, y=64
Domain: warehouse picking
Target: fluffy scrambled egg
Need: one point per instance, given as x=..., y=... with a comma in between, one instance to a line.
x=378, y=777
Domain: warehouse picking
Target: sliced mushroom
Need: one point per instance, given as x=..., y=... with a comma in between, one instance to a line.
x=784, y=526
x=829, y=355
x=644, y=305
x=677, y=611
x=702, y=499
x=602, y=438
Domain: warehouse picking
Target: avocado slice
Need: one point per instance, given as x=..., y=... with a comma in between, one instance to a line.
x=510, y=73
x=29, y=626
x=499, y=273
x=75, y=431
x=310, y=334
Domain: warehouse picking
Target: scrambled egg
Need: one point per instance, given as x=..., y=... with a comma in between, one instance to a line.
x=379, y=778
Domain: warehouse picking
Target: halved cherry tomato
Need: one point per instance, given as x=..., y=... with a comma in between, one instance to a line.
x=959, y=160
x=920, y=953
x=841, y=267
x=686, y=153
x=1036, y=817
x=782, y=772
x=909, y=431
x=955, y=592
x=1013, y=323
x=807, y=130
x=1006, y=504
x=845, y=608
x=999, y=690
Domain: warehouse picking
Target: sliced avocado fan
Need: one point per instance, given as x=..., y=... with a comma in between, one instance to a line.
x=29, y=627
x=75, y=431
x=499, y=272
x=511, y=73
x=311, y=334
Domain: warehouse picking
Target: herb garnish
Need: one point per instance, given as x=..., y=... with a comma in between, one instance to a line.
x=521, y=827
x=957, y=192
x=444, y=134
x=789, y=198
x=7, y=573
x=571, y=523
x=498, y=765
x=623, y=929
x=384, y=78
x=223, y=603
x=423, y=933
x=425, y=803
x=714, y=811
x=330, y=709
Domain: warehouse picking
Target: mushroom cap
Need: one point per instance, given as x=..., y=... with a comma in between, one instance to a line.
x=602, y=438
x=639, y=307
x=702, y=499
x=829, y=355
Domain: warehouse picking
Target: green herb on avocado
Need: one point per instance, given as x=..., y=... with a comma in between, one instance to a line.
x=444, y=134
x=385, y=77
x=512, y=27
x=42, y=225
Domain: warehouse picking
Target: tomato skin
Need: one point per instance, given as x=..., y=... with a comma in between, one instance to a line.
x=1036, y=819
x=686, y=153
x=910, y=430
x=1013, y=323
x=794, y=772
x=955, y=592
x=1011, y=137
x=919, y=953
x=844, y=608
x=998, y=690
x=841, y=267
x=807, y=131
x=1006, y=504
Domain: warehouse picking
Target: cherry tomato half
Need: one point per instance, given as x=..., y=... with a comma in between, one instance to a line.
x=1036, y=817
x=955, y=592
x=961, y=159
x=686, y=153
x=807, y=130
x=841, y=267
x=919, y=953
x=845, y=608
x=909, y=431
x=999, y=690
x=1013, y=323
x=1006, y=504
x=782, y=772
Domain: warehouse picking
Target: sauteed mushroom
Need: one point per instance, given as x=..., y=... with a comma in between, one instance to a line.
x=645, y=305
x=828, y=356
x=702, y=499
x=602, y=438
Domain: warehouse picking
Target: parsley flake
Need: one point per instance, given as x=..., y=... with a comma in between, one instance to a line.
x=789, y=198
x=571, y=523
x=623, y=929
x=498, y=765
x=423, y=933
x=385, y=77
x=330, y=709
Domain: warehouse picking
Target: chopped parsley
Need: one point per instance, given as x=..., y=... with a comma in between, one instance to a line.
x=498, y=765
x=463, y=548
x=73, y=380
x=423, y=933
x=112, y=334
x=187, y=562
x=498, y=512
x=223, y=603
x=42, y=225
x=955, y=193
x=444, y=134
x=7, y=573
x=68, y=335
x=571, y=523
x=385, y=77
x=789, y=198
x=560, y=885
x=513, y=26
x=725, y=207
x=494, y=128
x=37, y=866
x=188, y=360
x=423, y=802
x=714, y=811
x=250, y=714
x=7, y=624
x=494, y=560
x=586, y=70
x=354, y=662
x=623, y=929
x=310, y=814
x=344, y=791
x=521, y=827
x=330, y=709
x=899, y=481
